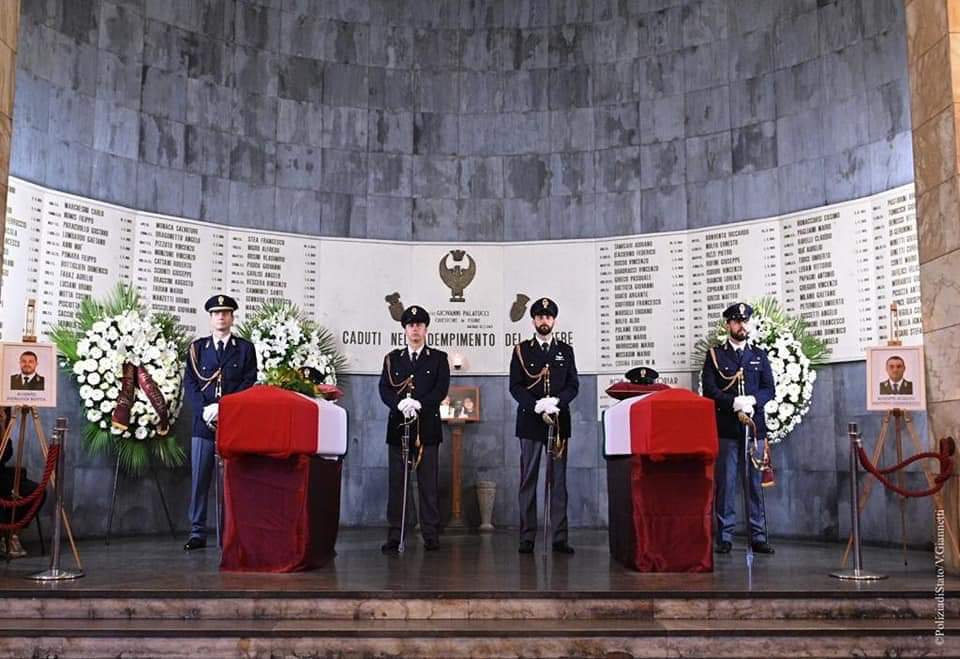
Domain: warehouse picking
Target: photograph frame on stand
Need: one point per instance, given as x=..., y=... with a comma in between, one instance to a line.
x=884, y=363
x=461, y=403
x=18, y=386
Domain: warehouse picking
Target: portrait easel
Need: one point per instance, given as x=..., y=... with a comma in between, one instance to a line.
x=901, y=419
x=23, y=414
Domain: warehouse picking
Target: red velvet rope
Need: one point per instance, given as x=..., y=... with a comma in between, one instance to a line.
x=947, y=449
x=35, y=498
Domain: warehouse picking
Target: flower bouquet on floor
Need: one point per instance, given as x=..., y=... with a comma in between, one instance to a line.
x=128, y=364
x=294, y=352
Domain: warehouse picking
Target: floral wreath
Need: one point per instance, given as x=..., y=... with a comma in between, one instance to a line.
x=128, y=364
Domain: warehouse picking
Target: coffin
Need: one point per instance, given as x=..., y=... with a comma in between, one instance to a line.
x=670, y=423
x=660, y=450
x=277, y=423
x=282, y=474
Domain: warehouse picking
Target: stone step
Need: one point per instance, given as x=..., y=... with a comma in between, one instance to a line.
x=398, y=606
x=491, y=638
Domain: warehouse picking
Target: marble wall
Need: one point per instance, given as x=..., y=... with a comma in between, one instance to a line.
x=933, y=32
x=464, y=118
x=9, y=24
x=485, y=120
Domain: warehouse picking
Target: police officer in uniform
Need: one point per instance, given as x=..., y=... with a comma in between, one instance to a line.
x=737, y=376
x=219, y=364
x=27, y=379
x=543, y=381
x=413, y=383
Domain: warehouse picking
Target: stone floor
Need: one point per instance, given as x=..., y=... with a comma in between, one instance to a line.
x=474, y=565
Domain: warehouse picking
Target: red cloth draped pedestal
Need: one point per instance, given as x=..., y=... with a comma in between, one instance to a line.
x=281, y=515
x=281, y=502
x=661, y=450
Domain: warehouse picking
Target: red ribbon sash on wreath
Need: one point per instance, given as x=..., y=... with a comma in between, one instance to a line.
x=134, y=376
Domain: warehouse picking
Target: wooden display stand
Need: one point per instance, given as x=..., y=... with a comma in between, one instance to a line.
x=457, y=424
x=902, y=419
x=23, y=414
x=456, y=473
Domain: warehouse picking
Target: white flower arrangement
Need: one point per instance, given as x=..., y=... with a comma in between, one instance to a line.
x=793, y=354
x=105, y=337
x=286, y=341
x=128, y=337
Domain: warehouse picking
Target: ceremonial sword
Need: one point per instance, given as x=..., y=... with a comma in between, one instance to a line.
x=551, y=421
x=405, y=458
x=744, y=419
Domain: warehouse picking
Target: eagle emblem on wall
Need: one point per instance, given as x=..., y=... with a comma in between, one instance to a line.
x=457, y=277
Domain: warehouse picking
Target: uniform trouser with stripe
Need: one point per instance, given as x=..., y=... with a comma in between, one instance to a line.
x=428, y=477
x=202, y=460
x=729, y=475
x=530, y=452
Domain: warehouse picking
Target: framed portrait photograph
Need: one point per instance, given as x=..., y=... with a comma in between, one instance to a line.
x=29, y=374
x=895, y=378
x=461, y=404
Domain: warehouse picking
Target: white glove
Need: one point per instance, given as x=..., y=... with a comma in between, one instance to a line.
x=409, y=407
x=744, y=404
x=210, y=413
x=547, y=404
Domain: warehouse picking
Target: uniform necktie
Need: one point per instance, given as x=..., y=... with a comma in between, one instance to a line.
x=413, y=357
x=896, y=388
x=544, y=347
x=219, y=349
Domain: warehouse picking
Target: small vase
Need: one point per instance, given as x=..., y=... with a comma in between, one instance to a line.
x=486, y=494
